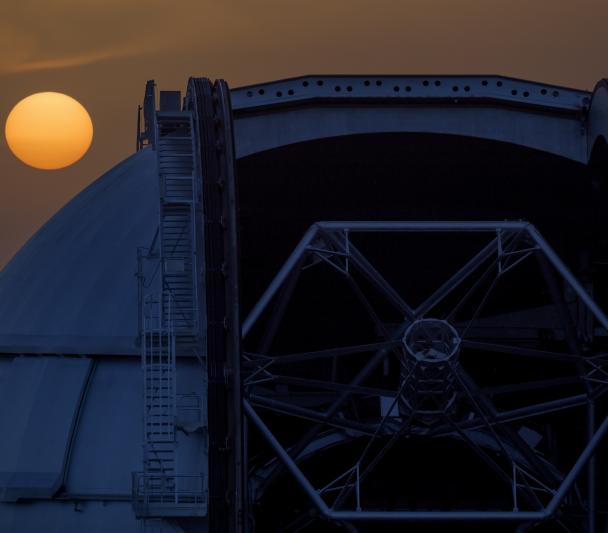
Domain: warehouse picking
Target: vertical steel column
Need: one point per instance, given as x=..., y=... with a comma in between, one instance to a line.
x=227, y=184
x=573, y=344
x=591, y=480
x=212, y=111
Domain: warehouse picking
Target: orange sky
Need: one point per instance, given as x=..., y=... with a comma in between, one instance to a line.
x=101, y=52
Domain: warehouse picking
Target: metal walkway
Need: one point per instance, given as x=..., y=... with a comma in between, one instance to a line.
x=171, y=326
x=195, y=256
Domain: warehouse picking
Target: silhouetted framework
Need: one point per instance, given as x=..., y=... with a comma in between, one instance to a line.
x=192, y=310
x=434, y=394
x=348, y=387
x=210, y=104
x=419, y=368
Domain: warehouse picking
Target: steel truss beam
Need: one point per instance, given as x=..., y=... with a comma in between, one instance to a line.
x=548, y=512
x=330, y=243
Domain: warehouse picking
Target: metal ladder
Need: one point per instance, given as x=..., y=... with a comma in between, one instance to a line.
x=170, y=325
x=158, y=362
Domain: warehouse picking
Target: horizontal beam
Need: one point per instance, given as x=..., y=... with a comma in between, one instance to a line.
x=437, y=516
x=517, y=414
x=444, y=89
x=531, y=385
x=423, y=226
x=331, y=385
x=304, y=357
x=309, y=414
x=520, y=351
x=428, y=516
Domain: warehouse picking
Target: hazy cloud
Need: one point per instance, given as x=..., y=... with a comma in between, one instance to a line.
x=39, y=35
x=74, y=60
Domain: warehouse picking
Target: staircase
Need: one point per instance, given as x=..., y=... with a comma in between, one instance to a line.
x=170, y=327
x=178, y=195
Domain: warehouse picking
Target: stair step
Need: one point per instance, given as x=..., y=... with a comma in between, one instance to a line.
x=177, y=308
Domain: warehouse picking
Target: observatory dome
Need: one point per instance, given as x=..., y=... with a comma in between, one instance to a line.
x=72, y=412
x=72, y=288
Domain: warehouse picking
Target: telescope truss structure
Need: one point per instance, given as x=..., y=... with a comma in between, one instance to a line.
x=434, y=389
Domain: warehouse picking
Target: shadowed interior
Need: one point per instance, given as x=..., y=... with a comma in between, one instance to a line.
x=409, y=177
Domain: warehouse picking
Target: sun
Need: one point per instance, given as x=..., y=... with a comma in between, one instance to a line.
x=49, y=130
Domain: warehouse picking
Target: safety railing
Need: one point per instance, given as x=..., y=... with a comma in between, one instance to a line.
x=157, y=495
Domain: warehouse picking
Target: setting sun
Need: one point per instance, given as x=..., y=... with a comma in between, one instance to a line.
x=49, y=130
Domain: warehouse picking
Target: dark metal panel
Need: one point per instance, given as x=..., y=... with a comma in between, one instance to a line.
x=280, y=126
x=70, y=517
x=113, y=410
x=170, y=100
x=107, y=444
x=41, y=397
